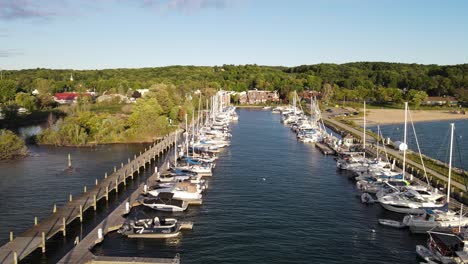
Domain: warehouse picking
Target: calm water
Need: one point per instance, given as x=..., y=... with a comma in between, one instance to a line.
x=434, y=139
x=29, y=188
x=275, y=200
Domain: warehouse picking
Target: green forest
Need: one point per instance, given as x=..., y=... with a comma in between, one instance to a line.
x=171, y=93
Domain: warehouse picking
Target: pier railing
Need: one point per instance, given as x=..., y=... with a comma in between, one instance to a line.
x=36, y=236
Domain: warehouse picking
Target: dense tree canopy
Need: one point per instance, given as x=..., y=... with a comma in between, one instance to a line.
x=435, y=80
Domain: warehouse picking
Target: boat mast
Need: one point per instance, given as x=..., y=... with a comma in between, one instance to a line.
x=364, y=132
x=186, y=133
x=404, y=140
x=378, y=135
x=452, y=128
x=175, y=150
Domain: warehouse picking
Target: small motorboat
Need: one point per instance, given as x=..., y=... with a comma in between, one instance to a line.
x=163, y=202
x=391, y=223
x=150, y=228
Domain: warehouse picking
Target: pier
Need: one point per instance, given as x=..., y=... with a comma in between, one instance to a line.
x=411, y=167
x=36, y=236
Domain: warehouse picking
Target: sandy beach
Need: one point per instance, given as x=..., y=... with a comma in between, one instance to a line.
x=395, y=116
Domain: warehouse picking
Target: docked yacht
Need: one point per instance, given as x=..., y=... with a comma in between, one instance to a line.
x=181, y=190
x=163, y=202
x=411, y=201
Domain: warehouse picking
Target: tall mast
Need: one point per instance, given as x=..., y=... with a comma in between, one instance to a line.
x=186, y=133
x=364, y=132
x=175, y=150
x=404, y=140
x=378, y=136
x=452, y=128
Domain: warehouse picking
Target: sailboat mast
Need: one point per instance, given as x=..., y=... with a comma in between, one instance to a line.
x=364, y=132
x=452, y=128
x=175, y=150
x=186, y=133
x=404, y=140
x=378, y=136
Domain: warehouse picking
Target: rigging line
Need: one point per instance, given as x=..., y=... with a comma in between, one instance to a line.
x=419, y=150
x=461, y=160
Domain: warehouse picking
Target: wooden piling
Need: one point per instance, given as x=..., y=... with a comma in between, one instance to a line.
x=11, y=236
x=64, y=227
x=107, y=193
x=81, y=213
x=115, y=169
x=55, y=208
x=95, y=202
x=97, y=182
x=70, y=198
x=84, y=189
x=35, y=221
x=43, y=243
x=117, y=185
x=15, y=257
x=105, y=175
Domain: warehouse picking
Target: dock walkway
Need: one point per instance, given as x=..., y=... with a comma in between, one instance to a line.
x=36, y=236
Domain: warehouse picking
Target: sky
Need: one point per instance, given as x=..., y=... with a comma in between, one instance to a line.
x=100, y=34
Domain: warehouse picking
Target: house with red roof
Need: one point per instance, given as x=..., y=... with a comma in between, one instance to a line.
x=68, y=97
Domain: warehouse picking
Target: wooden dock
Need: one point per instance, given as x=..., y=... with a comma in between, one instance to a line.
x=36, y=236
x=326, y=150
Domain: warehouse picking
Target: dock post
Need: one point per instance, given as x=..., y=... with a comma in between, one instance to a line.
x=107, y=193
x=55, y=208
x=35, y=220
x=70, y=198
x=115, y=169
x=117, y=185
x=84, y=189
x=128, y=160
x=95, y=202
x=97, y=182
x=125, y=181
x=127, y=207
x=121, y=165
x=99, y=234
x=105, y=175
x=15, y=257
x=64, y=227
x=11, y=236
x=145, y=188
x=81, y=213
x=69, y=161
x=134, y=156
x=43, y=242
x=155, y=169
x=158, y=175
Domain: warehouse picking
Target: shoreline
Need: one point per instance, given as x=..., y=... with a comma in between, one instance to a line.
x=396, y=116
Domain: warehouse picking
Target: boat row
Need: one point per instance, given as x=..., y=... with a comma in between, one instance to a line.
x=184, y=182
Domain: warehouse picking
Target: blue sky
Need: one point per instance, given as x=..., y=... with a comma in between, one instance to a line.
x=96, y=34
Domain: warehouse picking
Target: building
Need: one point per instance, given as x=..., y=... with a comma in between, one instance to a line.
x=68, y=97
x=258, y=97
x=309, y=94
x=438, y=100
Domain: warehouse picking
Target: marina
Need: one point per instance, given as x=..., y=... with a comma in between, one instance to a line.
x=167, y=197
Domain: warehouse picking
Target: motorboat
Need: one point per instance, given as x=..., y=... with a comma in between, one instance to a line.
x=163, y=202
x=411, y=202
x=151, y=228
x=440, y=219
x=181, y=190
